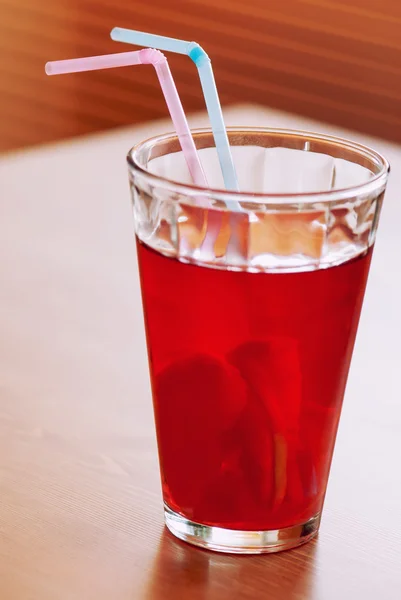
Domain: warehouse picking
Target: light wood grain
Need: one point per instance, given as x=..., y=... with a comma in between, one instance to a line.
x=338, y=62
x=80, y=505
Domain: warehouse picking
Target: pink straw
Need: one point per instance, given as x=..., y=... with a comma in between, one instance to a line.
x=147, y=56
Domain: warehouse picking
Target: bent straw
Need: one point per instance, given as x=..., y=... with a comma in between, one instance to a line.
x=148, y=56
x=205, y=71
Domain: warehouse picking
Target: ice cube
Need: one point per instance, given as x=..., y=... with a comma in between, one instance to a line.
x=255, y=437
x=271, y=367
x=272, y=370
x=196, y=400
x=286, y=235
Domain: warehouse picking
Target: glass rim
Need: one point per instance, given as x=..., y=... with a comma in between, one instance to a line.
x=375, y=184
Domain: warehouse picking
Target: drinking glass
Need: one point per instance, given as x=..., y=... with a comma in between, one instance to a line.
x=251, y=303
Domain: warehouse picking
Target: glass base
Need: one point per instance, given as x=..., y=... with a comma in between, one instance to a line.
x=238, y=541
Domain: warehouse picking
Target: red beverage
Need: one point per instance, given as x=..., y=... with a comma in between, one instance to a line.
x=251, y=302
x=248, y=374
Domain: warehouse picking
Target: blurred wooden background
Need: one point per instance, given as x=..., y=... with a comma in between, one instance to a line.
x=335, y=60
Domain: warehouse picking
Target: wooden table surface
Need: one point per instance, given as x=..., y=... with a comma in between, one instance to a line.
x=80, y=503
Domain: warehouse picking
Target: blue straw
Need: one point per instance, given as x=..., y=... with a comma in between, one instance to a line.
x=204, y=66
